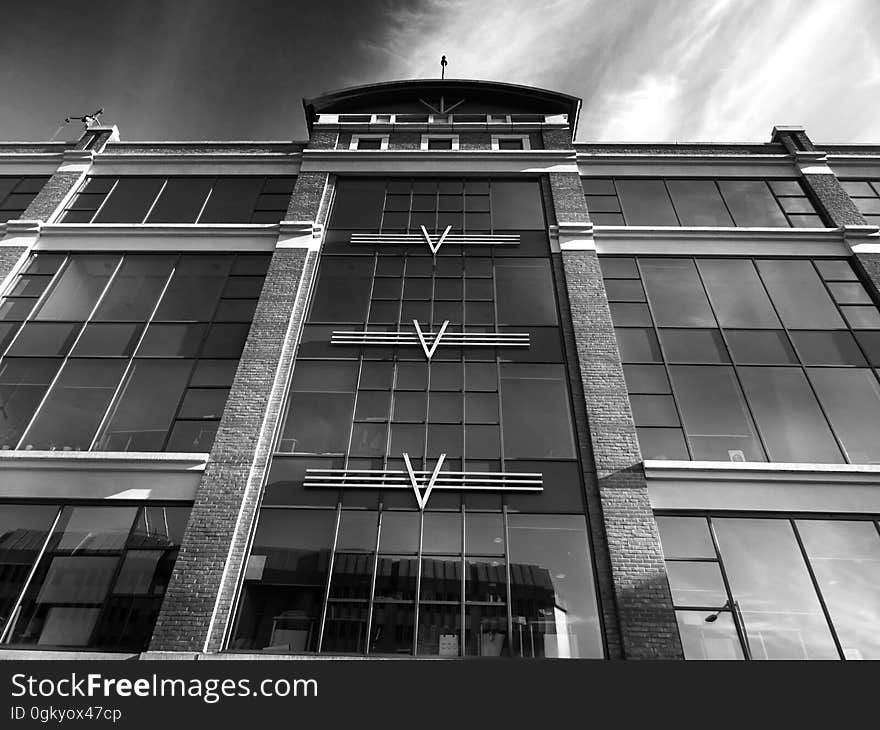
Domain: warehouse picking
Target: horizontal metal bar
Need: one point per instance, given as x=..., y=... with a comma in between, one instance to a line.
x=445, y=487
x=395, y=472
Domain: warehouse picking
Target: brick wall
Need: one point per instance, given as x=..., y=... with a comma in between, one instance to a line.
x=50, y=197
x=832, y=200
x=9, y=258
x=227, y=499
x=308, y=194
x=556, y=139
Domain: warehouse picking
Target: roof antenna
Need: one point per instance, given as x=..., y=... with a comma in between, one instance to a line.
x=88, y=120
x=442, y=67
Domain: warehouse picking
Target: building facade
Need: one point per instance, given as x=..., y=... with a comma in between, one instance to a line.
x=439, y=382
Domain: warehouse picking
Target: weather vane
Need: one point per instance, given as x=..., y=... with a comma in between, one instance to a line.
x=88, y=120
x=442, y=67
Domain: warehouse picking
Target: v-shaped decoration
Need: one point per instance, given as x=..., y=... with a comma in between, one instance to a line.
x=435, y=249
x=429, y=351
x=422, y=499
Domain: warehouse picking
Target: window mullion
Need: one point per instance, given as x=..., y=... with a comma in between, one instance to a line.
x=738, y=621
x=104, y=201
x=155, y=200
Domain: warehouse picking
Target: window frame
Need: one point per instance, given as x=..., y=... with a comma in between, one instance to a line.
x=356, y=138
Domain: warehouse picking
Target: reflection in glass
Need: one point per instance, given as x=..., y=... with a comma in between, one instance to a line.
x=851, y=399
x=553, y=598
x=769, y=580
x=77, y=289
x=845, y=557
x=702, y=639
x=676, y=293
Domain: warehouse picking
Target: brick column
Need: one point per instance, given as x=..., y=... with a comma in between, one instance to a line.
x=832, y=199
x=200, y=596
x=648, y=629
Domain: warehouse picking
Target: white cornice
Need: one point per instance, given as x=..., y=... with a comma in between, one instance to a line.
x=685, y=165
x=195, y=163
x=103, y=460
x=728, y=470
x=158, y=237
x=432, y=161
x=30, y=163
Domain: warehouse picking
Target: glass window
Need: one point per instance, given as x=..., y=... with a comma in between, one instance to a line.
x=44, y=339
x=24, y=530
x=23, y=383
x=74, y=406
x=537, y=420
x=704, y=639
x=845, y=558
x=685, y=537
x=77, y=290
x=851, y=399
x=142, y=414
x=737, y=294
x=553, y=599
x=637, y=345
x=827, y=348
x=693, y=345
x=662, y=443
x=181, y=200
x=232, y=200
x=195, y=288
x=714, y=414
x=130, y=200
x=525, y=294
x=696, y=584
x=751, y=203
x=788, y=415
x=770, y=583
x=698, y=203
x=358, y=203
x=516, y=205
x=135, y=288
x=799, y=295
x=646, y=203
x=760, y=347
x=342, y=291
x=676, y=293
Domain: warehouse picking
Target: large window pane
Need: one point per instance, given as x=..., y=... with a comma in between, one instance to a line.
x=676, y=294
x=553, y=598
x=646, y=203
x=751, y=203
x=737, y=293
x=232, y=200
x=77, y=289
x=525, y=294
x=685, y=537
x=714, y=414
x=135, y=289
x=845, y=557
x=851, y=398
x=516, y=205
x=75, y=406
x=181, y=201
x=23, y=382
x=130, y=200
x=284, y=581
x=358, y=204
x=536, y=412
x=698, y=203
x=799, y=295
x=702, y=639
x=790, y=420
x=772, y=588
x=195, y=288
x=342, y=291
x=145, y=408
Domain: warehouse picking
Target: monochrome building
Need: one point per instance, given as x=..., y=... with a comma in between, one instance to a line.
x=439, y=382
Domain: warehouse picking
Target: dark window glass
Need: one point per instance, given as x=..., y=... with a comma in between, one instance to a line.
x=232, y=200
x=751, y=203
x=862, y=317
x=638, y=345
x=646, y=378
x=619, y=268
x=136, y=288
x=214, y=373
x=835, y=270
x=646, y=203
x=23, y=383
x=537, y=420
x=714, y=414
x=630, y=314
x=799, y=295
x=318, y=423
x=785, y=408
x=849, y=293
x=194, y=289
x=284, y=581
x=851, y=399
x=654, y=410
x=662, y=443
x=342, y=292
x=553, y=598
x=192, y=436
x=685, y=537
x=358, y=204
x=845, y=558
x=142, y=414
x=760, y=347
x=676, y=294
x=130, y=200
x=181, y=201
x=769, y=580
x=525, y=292
x=598, y=186
x=870, y=342
x=827, y=348
x=698, y=203
x=74, y=406
x=77, y=290
x=516, y=205
x=737, y=294
x=693, y=345
x=45, y=339
x=225, y=340
x=24, y=530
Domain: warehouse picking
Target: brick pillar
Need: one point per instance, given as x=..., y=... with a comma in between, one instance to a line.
x=647, y=624
x=200, y=596
x=826, y=190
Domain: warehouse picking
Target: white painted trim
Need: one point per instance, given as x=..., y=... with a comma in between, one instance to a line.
x=572, y=236
x=722, y=241
x=157, y=237
x=356, y=138
x=101, y=460
x=300, y=234
x=30, y=163
x=524, y=138
x=684, y=165
x=434, y=161
x=427, y=137
x=763, y=487
x=195, y=163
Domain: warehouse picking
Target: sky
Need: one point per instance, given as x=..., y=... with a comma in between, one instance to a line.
x=647, y=70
